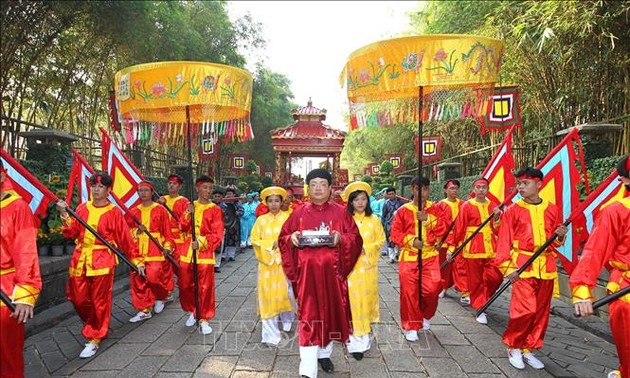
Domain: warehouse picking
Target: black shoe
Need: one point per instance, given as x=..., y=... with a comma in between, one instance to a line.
x=326, y=365
x=357, y=356
x=304, y=376
x=217, y=269
x=230, y=258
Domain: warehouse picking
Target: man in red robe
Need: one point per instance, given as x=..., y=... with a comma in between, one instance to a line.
x=178, y=206
x=525, y=226
x=20, y=278
x=483, y=277
x=150, y=293
x=455, y=273
x=319, y=274
x=91, y=273
x=608, y=245
x=208, y=237
x=415, y=314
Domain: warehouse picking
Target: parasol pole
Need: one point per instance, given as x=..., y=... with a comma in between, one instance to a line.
x=420, y=208
x=192, y=218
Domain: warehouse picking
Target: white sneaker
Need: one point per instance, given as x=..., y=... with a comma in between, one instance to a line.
x=140, y=316
x=169, y=299
x=191, y=320
x=516, y=358
x=533, y=361
x=441, y=295
x=205, y=328
x=614, y=374
x=411, y=335
x=482, y=318
x=286, y=326
x=158, y=307
x=426, y=324
x=89, y=350
x=464, y=300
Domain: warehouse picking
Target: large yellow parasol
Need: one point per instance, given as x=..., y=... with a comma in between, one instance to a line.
x=169, y=100
x=385, y=76
x=160, y=95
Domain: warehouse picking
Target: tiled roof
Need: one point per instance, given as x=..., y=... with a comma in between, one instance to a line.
x=307, y=129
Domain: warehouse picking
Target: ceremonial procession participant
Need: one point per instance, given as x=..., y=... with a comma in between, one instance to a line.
x=178, y=205
x=525, y=226
x=20, y=278
x=247, y=220
x=217, y=199
x=377, y=204
x=608, y=246
x=483, y=277
x=209, y=234
x=91, y=273
x=456, y=272
x=275, y=295
x=319, y=273
x=231, y=214
x=389, y=208
x=295, y=203
x=150, y=293
x=363, y=280
x=415, y=314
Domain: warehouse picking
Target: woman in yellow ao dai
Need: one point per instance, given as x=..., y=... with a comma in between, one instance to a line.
x=363, y=280
x=275, y=295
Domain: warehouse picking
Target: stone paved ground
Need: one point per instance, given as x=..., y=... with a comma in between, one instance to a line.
x=456, y=346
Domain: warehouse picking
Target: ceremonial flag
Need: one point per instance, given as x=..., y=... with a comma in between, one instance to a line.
x=125, y=175
x=431, y=148
x=499, y=173
x=503, y=111
x=609, y=191
x=24, y=184
x=560, y=187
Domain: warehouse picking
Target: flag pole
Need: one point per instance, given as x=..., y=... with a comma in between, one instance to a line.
x=192, y=218
x=419, y=186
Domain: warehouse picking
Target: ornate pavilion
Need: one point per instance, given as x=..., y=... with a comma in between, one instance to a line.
x=307, y=137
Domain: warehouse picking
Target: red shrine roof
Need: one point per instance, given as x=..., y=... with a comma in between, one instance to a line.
x=308, y=124
x=310, y=129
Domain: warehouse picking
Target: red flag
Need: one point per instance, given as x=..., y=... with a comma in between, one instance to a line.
x=80, y=174
x=609, y=191
x=24, y=184
x=125, y=175
x=498, y=172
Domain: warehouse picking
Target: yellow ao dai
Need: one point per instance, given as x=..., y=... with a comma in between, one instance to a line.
x=363, y=280
x=273, y=296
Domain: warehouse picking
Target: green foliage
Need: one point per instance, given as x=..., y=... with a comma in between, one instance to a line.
x=367, y=179
x=266, y=181
x=599, y=169
x=386, y=168
x=255, y=186
x=250, y=166
x=242, y=186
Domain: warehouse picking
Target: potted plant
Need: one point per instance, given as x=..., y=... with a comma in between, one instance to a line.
x=43, y=244
x=55, y=237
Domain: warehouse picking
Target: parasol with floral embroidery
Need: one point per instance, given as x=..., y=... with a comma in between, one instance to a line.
x=413, y=78
x=180, y=103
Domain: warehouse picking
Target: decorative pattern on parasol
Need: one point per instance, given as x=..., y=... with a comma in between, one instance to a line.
x=456, y=73
x=152, y=98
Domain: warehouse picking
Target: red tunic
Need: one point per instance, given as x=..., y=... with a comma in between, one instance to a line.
x=471, y=215
x=178, y=206
x=524, y=228
x=608, y=245
x=20, y=278
x=404, y=230
x=156, y=219
x=92, y=266
x=456, y=272
x=209, y=234
x=319, y=275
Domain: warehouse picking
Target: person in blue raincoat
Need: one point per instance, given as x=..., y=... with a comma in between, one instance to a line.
x=247, y=220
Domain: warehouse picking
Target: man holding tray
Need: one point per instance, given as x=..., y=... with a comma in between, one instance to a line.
x=320, y=243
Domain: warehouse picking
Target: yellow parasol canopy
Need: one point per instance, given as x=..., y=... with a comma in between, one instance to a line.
x=159, y=93
x=395, y=68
